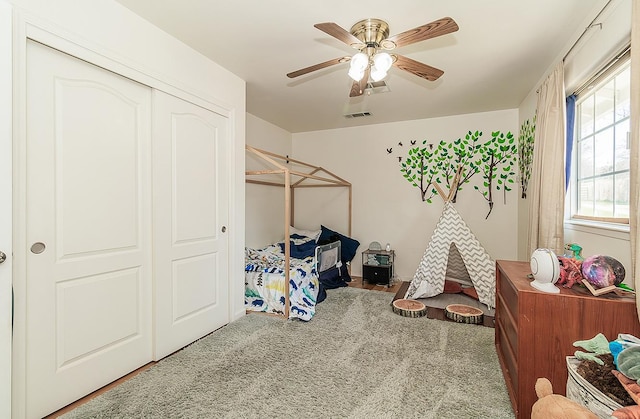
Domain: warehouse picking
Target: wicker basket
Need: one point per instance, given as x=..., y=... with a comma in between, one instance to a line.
x=581, y=391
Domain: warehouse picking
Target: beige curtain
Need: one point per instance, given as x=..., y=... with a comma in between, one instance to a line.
x=546, y=203
x=634, y=199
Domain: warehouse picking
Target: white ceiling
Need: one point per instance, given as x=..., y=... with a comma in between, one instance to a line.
x=502, y=50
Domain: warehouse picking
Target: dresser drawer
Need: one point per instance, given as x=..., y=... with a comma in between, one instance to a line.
x=509, y=359
x=509, y=295
x=507, y=324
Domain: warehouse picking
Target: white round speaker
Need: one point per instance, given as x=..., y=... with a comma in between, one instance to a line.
x=545, y=268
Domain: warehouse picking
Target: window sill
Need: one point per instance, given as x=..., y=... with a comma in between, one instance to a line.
x=616, y=231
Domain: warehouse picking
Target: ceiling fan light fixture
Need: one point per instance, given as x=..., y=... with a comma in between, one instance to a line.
x=382, y=61
x=370, y=37
x=359, y=61
x=381, y=64
x=377, y=74
x=356, y=74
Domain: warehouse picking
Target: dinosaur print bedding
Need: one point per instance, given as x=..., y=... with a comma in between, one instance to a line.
x=264, y=283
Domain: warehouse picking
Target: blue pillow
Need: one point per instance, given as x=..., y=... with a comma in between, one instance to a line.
x=300, y=250
x=348, y=245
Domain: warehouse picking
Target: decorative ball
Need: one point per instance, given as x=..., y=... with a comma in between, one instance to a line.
x=602, y=271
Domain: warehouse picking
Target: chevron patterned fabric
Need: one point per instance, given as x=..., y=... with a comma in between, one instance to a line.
x=429, y=278
x=456, y=270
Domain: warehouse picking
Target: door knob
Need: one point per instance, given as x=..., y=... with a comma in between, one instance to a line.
x=37, y=248
x=223, y=229
x=3, y=256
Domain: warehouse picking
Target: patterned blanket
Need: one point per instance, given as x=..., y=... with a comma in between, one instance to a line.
x=264, y=283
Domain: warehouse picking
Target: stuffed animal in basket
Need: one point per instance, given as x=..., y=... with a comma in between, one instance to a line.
x=555, y=406
x=632, y=387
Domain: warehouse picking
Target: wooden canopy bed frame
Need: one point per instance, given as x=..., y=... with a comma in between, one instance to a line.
x=290, y=180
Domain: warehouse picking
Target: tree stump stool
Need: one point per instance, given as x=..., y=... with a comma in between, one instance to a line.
x=409, y=308
x=462, y=313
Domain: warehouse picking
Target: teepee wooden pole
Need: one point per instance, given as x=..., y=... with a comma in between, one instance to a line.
x=454, y=185
x=440, y=192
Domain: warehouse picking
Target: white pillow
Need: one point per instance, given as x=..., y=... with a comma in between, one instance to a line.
x=314, y=234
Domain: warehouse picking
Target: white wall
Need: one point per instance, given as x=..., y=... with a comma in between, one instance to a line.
x=264, y=204
x=599, y=44
x=597, y=47
x=386, y=208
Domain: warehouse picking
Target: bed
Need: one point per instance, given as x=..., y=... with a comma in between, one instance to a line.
x=265, y=268
x=274, y=275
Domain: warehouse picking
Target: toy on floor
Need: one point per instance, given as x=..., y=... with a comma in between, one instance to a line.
x=628, y=412
x=628, y=362
x=597, y=345
x=633, y=411
x=555, y=406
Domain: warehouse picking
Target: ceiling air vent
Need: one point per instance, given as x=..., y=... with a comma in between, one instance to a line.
x=357, y=114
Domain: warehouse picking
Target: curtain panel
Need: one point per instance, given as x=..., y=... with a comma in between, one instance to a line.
x=546, y=203
x=634, y=203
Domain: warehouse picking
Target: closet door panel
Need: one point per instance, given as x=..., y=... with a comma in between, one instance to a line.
x=88, y=281
x=190, y=218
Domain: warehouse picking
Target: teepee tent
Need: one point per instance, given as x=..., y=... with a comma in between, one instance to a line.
x=429, y=278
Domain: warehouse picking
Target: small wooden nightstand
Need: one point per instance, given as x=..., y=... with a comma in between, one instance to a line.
x=377, y=266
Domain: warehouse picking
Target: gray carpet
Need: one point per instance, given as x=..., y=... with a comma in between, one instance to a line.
x=354, y=359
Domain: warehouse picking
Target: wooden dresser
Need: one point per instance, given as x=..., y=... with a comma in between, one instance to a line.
x=535, y=331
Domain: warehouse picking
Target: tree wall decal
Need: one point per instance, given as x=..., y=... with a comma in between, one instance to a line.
x=525, y=154
x=497, y=157
x=452, y=164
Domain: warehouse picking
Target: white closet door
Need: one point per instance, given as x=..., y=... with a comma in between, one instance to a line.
x=88, y=224
x=190, y=189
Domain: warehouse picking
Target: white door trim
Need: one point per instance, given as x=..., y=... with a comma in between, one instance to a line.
x=6, y=202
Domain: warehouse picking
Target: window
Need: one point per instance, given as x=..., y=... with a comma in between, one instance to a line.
x=601, y=178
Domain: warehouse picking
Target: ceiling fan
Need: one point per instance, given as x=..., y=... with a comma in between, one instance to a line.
x=371, y=38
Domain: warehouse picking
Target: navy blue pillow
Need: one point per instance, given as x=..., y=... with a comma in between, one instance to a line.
x=302, y=250
x=348, y=245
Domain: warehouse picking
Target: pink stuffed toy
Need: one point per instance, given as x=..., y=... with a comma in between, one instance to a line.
x=570, y=271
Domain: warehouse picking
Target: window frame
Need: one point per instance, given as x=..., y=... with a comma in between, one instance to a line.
x=618, y=65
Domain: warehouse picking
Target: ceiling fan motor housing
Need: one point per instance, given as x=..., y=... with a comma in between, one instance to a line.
x=372, y=33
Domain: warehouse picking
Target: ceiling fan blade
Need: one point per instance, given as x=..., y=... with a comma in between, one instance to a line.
x=319, y=66
x=430, y=30
x=340, y=34
x=358, y=87
x=417, y=68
